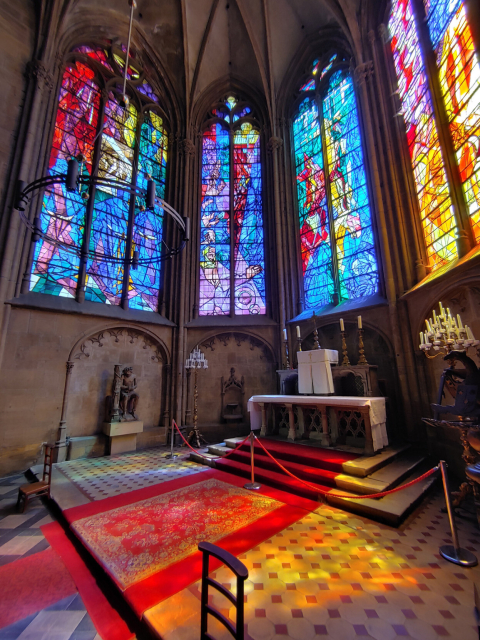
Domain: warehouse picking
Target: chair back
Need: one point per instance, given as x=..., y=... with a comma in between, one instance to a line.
x=241, y=573
x=47, y=463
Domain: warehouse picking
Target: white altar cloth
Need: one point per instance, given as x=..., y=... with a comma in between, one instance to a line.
x=377, y=412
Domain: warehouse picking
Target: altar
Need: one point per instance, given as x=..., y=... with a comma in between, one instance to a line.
x=363, y=417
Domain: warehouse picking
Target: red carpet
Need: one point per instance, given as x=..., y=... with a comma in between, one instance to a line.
x=107, y=621
x=150, y=565
x=316, y=465
x=31, y=584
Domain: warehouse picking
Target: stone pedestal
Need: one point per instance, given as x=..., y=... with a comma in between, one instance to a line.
x=122, y=435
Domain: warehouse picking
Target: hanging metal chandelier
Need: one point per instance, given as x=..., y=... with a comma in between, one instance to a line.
x=75, y=181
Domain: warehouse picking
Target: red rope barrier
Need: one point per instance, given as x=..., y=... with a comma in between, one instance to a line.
x=336, y=495
x=201, y=454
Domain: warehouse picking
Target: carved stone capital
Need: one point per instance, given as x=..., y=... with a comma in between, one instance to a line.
x=384, y=33
x=372, y=36
x=275, y=143
x=363, y=71
x=187, y=148
x=36, y=69
x=70, y=366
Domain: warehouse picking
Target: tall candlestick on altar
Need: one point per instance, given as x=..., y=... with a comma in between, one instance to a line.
x=342, y=325
x=299, y=335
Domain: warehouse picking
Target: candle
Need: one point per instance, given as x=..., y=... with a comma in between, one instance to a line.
x=421, y=338
x=359, y=319
x=448, y=312
x=285, y=335
x=441, y=308
x=298, y=332
x=427, y=341
x=342, y=326
x=460, y=325
x=469, y=333
x=434, y=317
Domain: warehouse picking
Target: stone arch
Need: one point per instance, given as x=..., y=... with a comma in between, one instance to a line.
x=90, y=373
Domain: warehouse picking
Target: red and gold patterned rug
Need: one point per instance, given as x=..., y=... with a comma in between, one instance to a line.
x=140, y=539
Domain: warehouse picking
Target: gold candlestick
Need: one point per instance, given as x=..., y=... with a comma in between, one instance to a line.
x=361, y=359
x=316, y=344
x=299, y=343
x=345, y=361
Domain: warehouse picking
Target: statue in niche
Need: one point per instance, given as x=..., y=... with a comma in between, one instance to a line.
x=122, y=404
x=128, y=394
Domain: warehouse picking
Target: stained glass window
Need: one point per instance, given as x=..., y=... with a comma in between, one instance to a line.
x=329, y=160
x=132, y=148
x=459, y=75
x=231, y=227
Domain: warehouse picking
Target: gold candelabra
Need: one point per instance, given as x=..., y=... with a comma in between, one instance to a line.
x=316, y=343
x=362, y=359
x=445, y=333
x=196, y=361
x=345, y=361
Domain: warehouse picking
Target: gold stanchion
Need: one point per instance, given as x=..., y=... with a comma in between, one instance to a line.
x=454, y=553
x=252, y=485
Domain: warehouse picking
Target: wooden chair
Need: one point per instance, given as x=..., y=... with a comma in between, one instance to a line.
x=38, y=489
x=241, y=572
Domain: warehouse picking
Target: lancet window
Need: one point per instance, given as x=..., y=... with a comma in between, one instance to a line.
x=107, y=229
x=438, y=75
x=336, y=236
x=232, y=261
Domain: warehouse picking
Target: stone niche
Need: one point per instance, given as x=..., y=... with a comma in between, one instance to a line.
x=92, y=377
x=251, y=358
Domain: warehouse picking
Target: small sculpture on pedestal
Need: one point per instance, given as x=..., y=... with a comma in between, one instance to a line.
x=128, y=395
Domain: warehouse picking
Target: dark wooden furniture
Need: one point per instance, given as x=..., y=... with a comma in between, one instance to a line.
x=241, y=573
x=38, y=489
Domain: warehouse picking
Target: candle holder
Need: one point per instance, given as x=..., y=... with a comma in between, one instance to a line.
x=286, y=354
x=196, y=361
x=446, y=335
x=299, y=344
x=316, y=343
x=362, y=359
x=345, y=361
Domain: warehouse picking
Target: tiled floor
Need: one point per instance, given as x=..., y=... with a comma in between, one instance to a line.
x=330, y=575
x=20, y=536
x=99, y=478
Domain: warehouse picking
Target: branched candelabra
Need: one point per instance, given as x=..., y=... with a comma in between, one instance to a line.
x=196, y=361
x=444, y=333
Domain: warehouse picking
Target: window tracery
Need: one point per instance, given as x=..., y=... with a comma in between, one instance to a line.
x=232, y=262
x=111, y=139
x=336, y=236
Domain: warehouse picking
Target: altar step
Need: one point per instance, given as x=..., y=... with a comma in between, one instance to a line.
x=334, y=472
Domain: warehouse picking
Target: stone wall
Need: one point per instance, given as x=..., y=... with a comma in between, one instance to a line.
x=32, y=379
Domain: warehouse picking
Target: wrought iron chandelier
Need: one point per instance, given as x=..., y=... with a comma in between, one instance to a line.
x=75, y=181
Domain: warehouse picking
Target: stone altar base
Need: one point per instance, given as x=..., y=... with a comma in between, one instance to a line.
x=122, y=435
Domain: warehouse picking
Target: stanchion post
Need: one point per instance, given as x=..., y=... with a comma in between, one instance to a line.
x=171, y=455
x=252, y=485
x=454, y=553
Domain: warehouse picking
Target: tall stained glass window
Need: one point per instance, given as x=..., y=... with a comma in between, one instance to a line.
x=336, y=237
x=232, y=262
x=458, y=72
x=111, y=139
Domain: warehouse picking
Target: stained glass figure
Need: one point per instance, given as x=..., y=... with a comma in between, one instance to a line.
x=55, y=270
x=226, y=211
x=459, y=71
x=343, y=267
x=356, y=261
x=127, y=151
x=312, y=204
x=433, y=193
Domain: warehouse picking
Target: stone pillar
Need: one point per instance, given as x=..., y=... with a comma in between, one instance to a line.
x=291, y=422
x=263, y=430
x=61, y=443
x=325, y=439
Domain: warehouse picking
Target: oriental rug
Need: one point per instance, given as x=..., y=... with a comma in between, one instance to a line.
x=140, y=539
x=147, y=541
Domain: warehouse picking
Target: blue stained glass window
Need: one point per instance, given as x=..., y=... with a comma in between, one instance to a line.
x=344, y=266
x=228, y=209
x=127, y=150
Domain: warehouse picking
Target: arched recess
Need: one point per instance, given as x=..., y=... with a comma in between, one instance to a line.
x=89, y=377
x=378, y=351
x=251, y=357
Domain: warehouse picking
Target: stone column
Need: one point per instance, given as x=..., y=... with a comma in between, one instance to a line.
x=325, y=439
x=61, y=443
x=263, y=430
x=291, y=422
